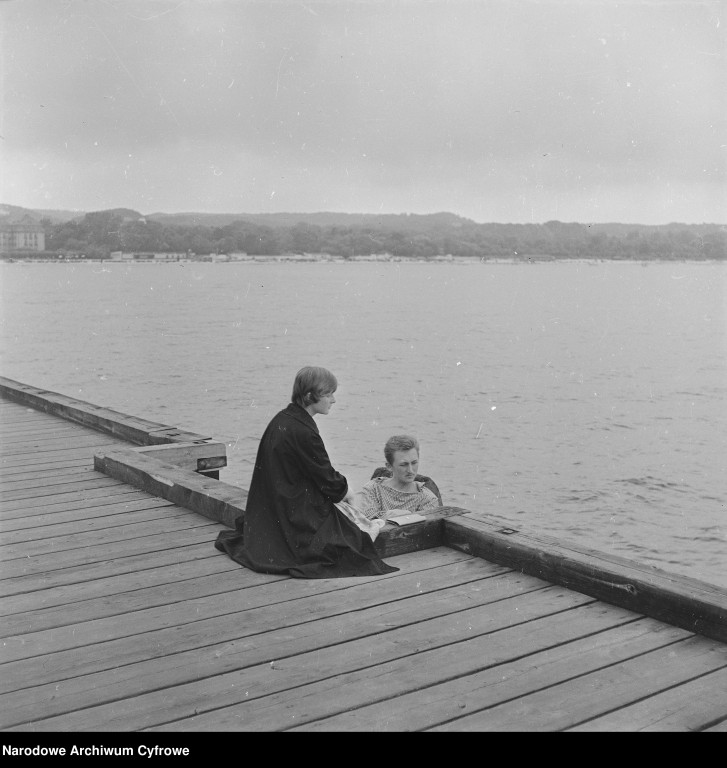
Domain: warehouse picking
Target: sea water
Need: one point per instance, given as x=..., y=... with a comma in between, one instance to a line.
x=584, y=400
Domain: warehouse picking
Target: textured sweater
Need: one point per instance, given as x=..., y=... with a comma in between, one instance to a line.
x=376, y=499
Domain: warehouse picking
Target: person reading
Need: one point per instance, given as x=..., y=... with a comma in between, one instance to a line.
x=291, y=524
x=401, y=493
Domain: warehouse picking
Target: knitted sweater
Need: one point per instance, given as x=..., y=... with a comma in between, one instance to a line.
x=376, y=499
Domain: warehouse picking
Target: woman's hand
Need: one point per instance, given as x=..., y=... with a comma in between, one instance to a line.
x=349, y=497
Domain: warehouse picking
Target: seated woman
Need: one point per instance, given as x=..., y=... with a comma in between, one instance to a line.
x=291, y=524
x=402, y=491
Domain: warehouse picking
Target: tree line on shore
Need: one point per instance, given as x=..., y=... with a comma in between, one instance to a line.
x=97, y=234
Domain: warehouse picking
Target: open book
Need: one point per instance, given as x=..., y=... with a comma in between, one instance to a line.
x=372, y=527
x=404, y=518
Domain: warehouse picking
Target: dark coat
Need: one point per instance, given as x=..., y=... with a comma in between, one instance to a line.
x=290, y=523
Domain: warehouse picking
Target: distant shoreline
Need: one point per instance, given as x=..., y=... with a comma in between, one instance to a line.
x=9, y=258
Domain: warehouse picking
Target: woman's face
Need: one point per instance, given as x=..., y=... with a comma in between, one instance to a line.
x=324, y=404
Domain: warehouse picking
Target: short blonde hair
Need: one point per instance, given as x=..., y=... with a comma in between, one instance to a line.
x=399, y=443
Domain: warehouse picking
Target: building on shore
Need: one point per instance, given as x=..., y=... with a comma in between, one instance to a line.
x=23, y=235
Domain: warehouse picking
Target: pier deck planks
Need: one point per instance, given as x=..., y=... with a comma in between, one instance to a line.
x=119, y=614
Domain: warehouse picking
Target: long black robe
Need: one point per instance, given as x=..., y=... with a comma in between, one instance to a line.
x=290, y=524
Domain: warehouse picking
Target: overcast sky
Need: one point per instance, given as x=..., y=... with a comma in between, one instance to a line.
x=497, y=110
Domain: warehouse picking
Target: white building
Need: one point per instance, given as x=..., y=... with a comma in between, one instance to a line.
x=23, y=235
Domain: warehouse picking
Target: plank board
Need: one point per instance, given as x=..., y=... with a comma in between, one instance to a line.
x=70, y=521
x=186, y=545
x=106, y=581
x=408, y=693
x=257, y=596
x=98, y=540
x=32, y=461
x=39, y=445
x=8, y=469
x=164, y=585
x=688, y=707
x=54, y=452
x=227, y=673
x=67, y=565
x=18, y=475
x=76, y=508
x=38, y=492
x=566, y=704
x=68, y=497
x=477, y=675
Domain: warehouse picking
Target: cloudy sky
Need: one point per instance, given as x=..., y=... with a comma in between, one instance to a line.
x=497, y=110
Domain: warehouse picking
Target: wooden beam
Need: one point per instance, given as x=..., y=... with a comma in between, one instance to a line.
x=194, y=456
x=130, y=428
x=678, y=600
x=214, y=499
x=397, y=540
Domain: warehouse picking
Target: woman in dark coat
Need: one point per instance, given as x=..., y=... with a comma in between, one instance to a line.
x=291, y=524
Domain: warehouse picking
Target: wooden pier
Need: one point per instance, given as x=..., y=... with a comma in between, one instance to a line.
x=118, y=614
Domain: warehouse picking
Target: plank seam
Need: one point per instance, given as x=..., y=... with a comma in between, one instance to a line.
x=649, y=696
x=343, y=611
x=56, y=569
x=712, y=723
x=561, y=682
x=102, y=501
x=98, y=578
x=231, y=566
x=475, y=671
x=170, y=686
